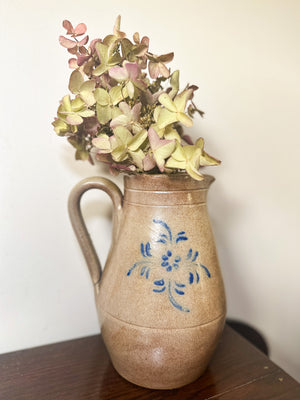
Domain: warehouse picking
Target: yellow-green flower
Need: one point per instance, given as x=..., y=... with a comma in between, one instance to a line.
x=122, y=145
x=161, y=148
x=73, y=111
x=106, y=103
x=174, y=110
x=191, y=158
x=107, y=55
x=85, y=90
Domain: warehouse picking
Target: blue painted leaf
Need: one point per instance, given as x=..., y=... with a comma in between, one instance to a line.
x=143, y=250
x=148, y=250
x=189, y=254
x=181, y=238
x=179, y=291
x=143, y=270
x=191, y=278
x=158, y=221
x=195, y=256
x=197, y=275
x=160, y=282
x=179, y=284
x=206, y=270
x=132, y=268
x=174, y=302
x=159, y=290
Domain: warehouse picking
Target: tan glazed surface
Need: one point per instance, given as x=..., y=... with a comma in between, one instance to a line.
x=160, y=299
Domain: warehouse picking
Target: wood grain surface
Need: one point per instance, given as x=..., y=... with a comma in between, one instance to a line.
x=80, y=369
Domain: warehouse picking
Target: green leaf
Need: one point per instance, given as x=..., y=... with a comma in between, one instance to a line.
x=206, y=160
x=156, y=113
x=121, y=119
x=172, y=163
x=194, y=173
x=119, y=153
x=86, y=92
x=200, y=143
x=74, y=119
x=86, y=113
x=76, y=80
x=184, y=119
x=110, y=40
x=88, y=98
x=178, y=154
x=100, y=69
x=174, y=81
x=60, y=127
x=77, y=104
x=137, y=158
x=115, y=112
x=103, y=113
x=74, y=142
x=102, y=142
x=165, y=58
x=102, y=50
x=130, y=89
x=167, y=102
x=82, y=155
x=165, y=118
x=102, y=97
x=137, y=140
x=126, y=46
x=123, y=134
x=88, y=86
x=66, y=104
x=116, y=95
x=163, y=152
x=182, y=98
x=192, y=154
x=171, y=134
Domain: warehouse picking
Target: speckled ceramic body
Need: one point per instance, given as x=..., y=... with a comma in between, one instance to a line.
x=160, y=299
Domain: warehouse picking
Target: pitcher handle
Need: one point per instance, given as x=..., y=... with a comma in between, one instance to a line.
x=79, y=225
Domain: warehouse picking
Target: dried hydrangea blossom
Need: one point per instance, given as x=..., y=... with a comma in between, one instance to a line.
x=126, y=107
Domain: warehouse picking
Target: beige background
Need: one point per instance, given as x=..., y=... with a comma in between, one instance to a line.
x=245, y=58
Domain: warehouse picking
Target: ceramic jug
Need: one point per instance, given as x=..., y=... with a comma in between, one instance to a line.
x=160, y=297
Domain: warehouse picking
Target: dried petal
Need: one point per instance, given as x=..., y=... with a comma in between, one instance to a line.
x=83, y=41
x=118, y=73
x=68, y=26
x=166, y=101
x=74, y=119
x=76, y=80
x=68, y=43
x=148, y=163
x=102, y=97
x=80, y=29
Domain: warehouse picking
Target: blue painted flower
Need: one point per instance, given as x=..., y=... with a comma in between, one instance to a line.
x=169, y=261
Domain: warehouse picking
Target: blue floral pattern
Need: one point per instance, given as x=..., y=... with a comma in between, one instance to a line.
x=163, y=266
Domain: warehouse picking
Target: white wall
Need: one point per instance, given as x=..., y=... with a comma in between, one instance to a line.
x=245, y=58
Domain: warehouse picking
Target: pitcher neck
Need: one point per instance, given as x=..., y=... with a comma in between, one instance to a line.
x=173, y=189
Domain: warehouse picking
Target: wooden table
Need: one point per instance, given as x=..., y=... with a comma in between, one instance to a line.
x=80, y=369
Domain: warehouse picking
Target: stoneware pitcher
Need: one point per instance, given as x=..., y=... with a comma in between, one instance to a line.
x=160, y=297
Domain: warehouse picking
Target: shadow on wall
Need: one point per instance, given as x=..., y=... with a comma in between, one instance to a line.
x=249, y=333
